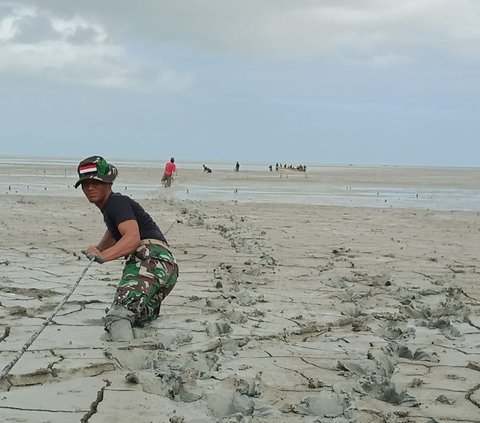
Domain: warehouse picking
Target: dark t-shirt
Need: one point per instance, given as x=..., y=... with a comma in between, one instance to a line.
x=120, y=208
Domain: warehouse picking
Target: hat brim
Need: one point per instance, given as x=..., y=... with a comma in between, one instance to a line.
x=95, y=177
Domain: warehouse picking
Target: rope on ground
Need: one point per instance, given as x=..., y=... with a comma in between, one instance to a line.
x=27, y=344
x=171, y=226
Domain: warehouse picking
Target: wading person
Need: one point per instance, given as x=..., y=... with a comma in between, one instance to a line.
x=150, y=270
x=170, y=169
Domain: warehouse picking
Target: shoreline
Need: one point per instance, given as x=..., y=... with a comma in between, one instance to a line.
x=381, y=187
x=225, y=165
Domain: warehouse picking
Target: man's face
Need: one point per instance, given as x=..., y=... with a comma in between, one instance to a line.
x=96, y=192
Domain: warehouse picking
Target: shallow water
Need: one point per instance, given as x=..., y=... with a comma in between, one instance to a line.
x=436, y=199
x=322, y=185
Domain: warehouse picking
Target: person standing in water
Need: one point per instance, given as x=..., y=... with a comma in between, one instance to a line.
x=150, y=270
x=170, y=169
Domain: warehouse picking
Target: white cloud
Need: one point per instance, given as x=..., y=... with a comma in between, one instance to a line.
x=9, y=24
x=75, y=50
x=70, y=29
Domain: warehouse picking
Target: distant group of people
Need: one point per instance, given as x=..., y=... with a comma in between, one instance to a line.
x=208, y=170
x=171, y=169
x=279, y=166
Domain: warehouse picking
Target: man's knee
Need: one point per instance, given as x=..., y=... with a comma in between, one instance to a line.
x=118, y=323
x=118, y=312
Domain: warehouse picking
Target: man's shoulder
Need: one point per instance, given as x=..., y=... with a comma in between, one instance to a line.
x=116, y=198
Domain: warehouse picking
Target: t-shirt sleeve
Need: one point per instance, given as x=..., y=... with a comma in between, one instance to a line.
x=120, y=210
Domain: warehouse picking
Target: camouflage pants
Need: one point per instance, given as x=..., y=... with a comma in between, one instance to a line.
x=148, y=277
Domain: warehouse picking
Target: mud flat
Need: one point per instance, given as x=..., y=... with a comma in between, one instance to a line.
x=287, y=314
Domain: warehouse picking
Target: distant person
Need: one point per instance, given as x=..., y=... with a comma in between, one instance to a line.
x=170, y=169
x=276, y=166
x=270, y=167
x=237, y=167
x=207, y=169
x=150, y=271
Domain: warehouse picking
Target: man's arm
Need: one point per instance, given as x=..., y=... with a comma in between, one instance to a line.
x=107, y=241
x=127, y=244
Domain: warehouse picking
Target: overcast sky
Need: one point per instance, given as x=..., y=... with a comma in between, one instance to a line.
x=297, y=81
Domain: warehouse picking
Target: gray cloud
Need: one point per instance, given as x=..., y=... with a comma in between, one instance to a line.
x=291, y=29
x=91, y=41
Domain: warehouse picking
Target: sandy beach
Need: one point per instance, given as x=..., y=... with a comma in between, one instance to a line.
x=282, y=312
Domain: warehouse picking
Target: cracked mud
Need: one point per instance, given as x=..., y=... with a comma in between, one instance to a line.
x=291, y=313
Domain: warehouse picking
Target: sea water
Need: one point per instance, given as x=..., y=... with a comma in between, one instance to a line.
x=56, y=177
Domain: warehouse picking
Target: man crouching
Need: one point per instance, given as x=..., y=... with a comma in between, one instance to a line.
x=150, y=271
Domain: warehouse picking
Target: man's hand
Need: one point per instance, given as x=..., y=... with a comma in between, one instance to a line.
x=96, y=256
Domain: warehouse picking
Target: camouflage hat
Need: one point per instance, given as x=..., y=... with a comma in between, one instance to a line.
x=96, y=167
